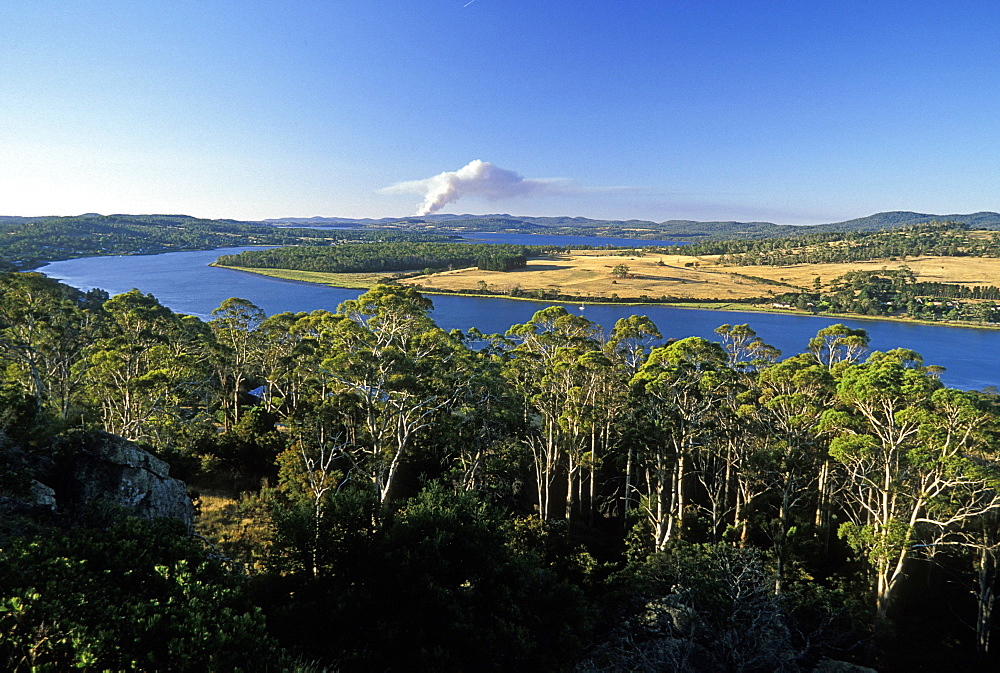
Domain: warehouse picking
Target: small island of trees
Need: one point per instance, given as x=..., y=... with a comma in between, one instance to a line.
x=387, y=256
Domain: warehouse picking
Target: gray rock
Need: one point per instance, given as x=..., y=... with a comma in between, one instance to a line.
x=107, y=468
x=41, y=495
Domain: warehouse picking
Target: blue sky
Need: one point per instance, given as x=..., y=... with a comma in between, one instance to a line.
x=791, y=112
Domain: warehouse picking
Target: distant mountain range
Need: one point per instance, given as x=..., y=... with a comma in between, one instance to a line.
x=678, y=229
x=77, y=232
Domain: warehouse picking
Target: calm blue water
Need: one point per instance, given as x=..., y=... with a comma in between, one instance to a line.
x=184, y=282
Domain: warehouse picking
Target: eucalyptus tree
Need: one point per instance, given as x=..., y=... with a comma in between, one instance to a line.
x=968, y=519
x=549, y=369
x=630, y=341
x=592, y=395
x=911, y=455
x=729, y=467
x=188, y=360
x=980, y=540
x=235, y=323
x=44, y=328
x=147, y=369
x=399, y=370
x=610, y=417
x=321, y=425
x=839, y=343
x=289, y=350
x=485, y=427
x=29, y=303
x=628, y=347
x=793, y=395
x=313, y=469
x=745, y=348
x=319, y=336
x=680, y=384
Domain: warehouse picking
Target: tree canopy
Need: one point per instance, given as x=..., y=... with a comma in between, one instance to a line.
x=560, y=497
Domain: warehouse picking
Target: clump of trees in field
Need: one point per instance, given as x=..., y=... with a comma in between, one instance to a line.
x=898, y=293
x=561, y=497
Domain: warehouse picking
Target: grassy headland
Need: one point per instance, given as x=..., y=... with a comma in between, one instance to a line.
x=358, y=281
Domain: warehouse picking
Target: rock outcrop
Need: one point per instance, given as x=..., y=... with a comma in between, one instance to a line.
x=105, y=468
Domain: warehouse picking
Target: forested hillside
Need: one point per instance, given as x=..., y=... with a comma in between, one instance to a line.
x=383, y=495
x=950, y=239
x=26, y=243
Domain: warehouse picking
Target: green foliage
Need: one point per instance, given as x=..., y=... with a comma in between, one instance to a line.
x=879, y=543
x=898, y=293
x=250, y=447
x=620, y=271
x=341, y=546
x=839, y=343
x=137, y=595
x=501, y=258
x=850, y=448
x=702, y=608
x=442, y=582
x=140, y=371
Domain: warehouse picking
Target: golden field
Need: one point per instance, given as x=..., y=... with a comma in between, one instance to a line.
x=588, y=274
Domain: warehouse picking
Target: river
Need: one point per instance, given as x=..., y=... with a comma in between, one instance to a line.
x=184, y=282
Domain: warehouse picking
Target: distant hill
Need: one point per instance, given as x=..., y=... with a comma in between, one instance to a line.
x=682, y=230
x=28, y=242
x=902, y=218
x=8, y=221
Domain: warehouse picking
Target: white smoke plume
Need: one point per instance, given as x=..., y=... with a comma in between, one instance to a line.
x=477, y=178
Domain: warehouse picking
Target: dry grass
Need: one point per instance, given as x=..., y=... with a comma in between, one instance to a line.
x=588, y=274
x=224, y=521
x=960, y=270
x=216, y=515
x=360, y=281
